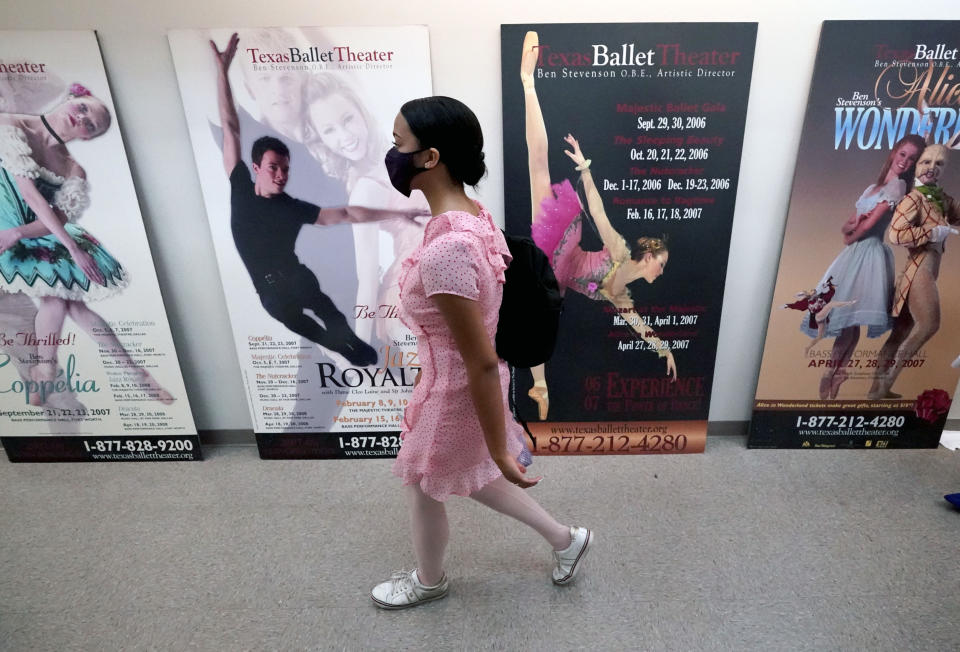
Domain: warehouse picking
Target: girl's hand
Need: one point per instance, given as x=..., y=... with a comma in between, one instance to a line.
x=576, y=155
x=514, y=472
x=8, y=238
x=88, y=265
x=671, y=366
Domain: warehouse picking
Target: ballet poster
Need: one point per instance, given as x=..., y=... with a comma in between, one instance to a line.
x=861, y=347
x=88, y=369
x=289, y=128
x=621, y=157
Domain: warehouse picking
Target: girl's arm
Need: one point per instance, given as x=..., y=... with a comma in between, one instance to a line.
x=612, y=240
x=465, y=320
x=46, y=215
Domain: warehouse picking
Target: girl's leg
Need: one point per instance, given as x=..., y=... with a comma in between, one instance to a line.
x=430, y=532
x=840, y=345
x=843, y=348
x=101, y=333
x=50, y=317
x=513, y=501
x=821, y=331
x=536, y=130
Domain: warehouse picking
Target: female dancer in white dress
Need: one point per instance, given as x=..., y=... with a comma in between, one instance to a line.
x=863, y=272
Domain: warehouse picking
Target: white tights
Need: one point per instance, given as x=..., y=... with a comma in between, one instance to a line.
x=428, y=520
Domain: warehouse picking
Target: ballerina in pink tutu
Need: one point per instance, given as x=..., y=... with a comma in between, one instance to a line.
x=557, y=227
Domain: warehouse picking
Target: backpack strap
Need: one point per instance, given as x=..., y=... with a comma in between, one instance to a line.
x=512, y=401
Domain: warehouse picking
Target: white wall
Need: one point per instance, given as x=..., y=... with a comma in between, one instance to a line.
x=465, y=44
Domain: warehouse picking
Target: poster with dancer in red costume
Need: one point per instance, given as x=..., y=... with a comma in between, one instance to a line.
x=621, y=157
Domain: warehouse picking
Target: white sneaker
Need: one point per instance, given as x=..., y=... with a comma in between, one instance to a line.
x=568, y=560
x=405, y=590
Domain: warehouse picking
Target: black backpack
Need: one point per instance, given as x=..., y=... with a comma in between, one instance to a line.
x=532, y=303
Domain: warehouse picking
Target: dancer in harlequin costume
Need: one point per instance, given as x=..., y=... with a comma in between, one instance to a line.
x=458, y=438
x=557, y=226
x=818, y=303
x=924, y=219
x=43, y=253
x=863, y=270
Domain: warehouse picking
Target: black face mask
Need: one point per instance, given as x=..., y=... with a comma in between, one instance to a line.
x=401, y=169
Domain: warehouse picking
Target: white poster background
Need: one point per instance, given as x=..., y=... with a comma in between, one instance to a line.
x=136, y=313
x=354, y=400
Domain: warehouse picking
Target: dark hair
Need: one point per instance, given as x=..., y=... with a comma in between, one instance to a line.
x=266, y=144
x=643, y=246
x=452, y=128
x=909, y=139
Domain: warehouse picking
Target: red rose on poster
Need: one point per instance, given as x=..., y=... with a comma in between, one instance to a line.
x=932, y=404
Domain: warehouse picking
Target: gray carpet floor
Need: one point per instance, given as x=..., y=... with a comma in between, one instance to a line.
x=730, y=550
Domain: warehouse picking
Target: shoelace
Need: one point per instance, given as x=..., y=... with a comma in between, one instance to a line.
x=401, y=582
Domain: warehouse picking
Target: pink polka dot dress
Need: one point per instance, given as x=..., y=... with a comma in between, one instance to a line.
x=443, y=448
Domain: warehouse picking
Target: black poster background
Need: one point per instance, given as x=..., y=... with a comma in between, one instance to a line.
x=693, y=281
x=852, y=65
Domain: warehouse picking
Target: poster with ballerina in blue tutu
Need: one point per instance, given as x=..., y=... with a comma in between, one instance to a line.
x=88, y=369
x=861, y=348
x=621, y=158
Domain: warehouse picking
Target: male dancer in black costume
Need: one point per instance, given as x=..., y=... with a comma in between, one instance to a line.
x=265, y=222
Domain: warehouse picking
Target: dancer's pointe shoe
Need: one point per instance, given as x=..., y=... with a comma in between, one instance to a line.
x=540, y=395
x=839, y=377
x=825, y=383
x=528, y=59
